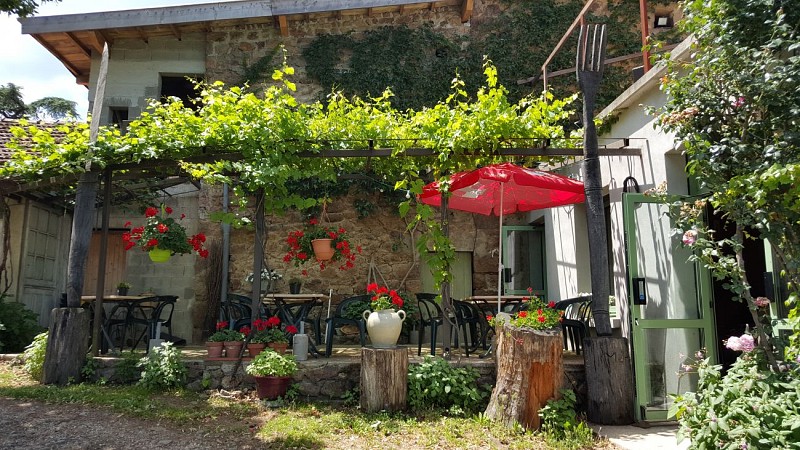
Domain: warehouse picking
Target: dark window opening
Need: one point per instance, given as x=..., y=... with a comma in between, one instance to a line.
x=119, y=116
x=181, y=87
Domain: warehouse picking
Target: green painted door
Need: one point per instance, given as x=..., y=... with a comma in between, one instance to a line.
x=670, y=307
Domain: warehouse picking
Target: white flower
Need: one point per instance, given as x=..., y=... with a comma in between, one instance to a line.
x=266, y=274
x=690, y=237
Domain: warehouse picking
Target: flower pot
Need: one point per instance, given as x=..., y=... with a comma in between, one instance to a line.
x=122, y=291
x=214, y=349
x=159, y=255
x=384, y=327
x=233, y=348
x=255, y=349
x=323, y=249
x=270, y=388
x=294, y=288
x=279, y=347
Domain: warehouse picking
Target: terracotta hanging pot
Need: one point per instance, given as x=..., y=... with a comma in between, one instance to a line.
x=159, y=255
x=323, y=249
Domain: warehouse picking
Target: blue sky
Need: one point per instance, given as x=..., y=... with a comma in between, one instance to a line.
x=24, y=62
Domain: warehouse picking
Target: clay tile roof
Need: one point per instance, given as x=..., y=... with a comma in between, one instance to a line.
x=6, y=137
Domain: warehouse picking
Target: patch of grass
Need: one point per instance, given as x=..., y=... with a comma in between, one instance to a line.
x=308, y=426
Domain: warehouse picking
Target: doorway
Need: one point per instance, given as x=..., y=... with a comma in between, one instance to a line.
x=669, y=299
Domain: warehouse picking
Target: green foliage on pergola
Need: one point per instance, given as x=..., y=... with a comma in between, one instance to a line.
x=268, y=140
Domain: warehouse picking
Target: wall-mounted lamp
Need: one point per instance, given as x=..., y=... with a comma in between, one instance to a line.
x=662, y=21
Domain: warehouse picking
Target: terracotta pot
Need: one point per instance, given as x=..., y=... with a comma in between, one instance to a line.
x=279, y=347
x=255, y=349
x=323, y=249
x=214, y=349
x=159, y=255
x=384, y=327
x=233, y=348
x=270, y=388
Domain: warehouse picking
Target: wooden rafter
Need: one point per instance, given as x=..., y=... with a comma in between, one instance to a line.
x=86, y=51
x=74, y=70
x=142, y=35
x=175, y=32
x=96, y=40
x=466, y=10
x=284, y=25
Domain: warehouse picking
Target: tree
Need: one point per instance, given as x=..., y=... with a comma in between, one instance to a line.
x=736, y=106
x=12, y=106
x=22, y=8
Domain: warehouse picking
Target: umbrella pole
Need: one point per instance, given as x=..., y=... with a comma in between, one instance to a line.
x=500, y=254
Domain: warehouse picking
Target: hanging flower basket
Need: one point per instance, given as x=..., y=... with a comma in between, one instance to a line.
x=159, y=255
x=323, y=249
x=320, y=244
x=162, y=236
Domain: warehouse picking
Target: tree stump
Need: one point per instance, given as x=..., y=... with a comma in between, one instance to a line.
x=67, y=344
x=609, y=380
x=529, y=373
x=384, y=379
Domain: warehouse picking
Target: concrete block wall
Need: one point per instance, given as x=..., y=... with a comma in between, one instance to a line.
x=135, y=69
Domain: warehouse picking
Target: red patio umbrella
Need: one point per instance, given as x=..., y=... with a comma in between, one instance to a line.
x=504, y=189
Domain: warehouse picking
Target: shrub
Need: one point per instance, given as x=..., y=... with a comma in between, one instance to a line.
x=34, y=356
x=749, y=407
x=20, y=326
x=434, y=383
x=561, y=426
x=163, y=368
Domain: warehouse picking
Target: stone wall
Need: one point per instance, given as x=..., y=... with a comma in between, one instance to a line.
x=326, y=379
x=232, y=48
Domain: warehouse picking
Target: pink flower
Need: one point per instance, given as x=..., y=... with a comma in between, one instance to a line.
x=744, y=343
x=761, y=302
x=690, y=237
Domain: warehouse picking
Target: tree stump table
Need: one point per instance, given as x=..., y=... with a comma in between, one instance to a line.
x=529, y=374
x=384, y=379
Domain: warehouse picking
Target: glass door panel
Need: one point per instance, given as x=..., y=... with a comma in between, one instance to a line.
x=670, y=306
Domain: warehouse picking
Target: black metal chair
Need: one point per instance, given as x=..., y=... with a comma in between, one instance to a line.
x=164, y=303
x=575, y=324
x=472, y=324
x=236, y=310
x=430, y=316
x=341, y=317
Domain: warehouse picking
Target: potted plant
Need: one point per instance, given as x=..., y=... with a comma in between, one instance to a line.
x=215, y=342
x=122, y=288
x=385, y=321
x=276, y=338
x=273, y=373
x=259, y=337
x=331, y=243
x=271, y=277
x=162, y=236
x=294, y=285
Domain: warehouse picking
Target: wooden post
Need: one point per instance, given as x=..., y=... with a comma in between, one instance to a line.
x=384, y=379
x=610, y=386
x=529, y=373
x=69, y=338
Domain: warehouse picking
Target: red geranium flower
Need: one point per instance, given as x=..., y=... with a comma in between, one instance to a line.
x=291, y=329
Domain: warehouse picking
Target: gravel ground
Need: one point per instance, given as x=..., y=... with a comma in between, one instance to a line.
x=26, y=424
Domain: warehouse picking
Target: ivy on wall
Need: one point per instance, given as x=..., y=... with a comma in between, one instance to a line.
x=418, y=64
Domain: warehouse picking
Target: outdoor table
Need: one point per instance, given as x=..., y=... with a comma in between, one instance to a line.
x=487, y=304
x=128, y=303
x=294, y=309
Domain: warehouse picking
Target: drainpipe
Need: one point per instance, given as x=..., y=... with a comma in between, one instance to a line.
x=226, y=250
